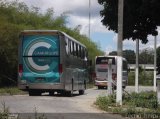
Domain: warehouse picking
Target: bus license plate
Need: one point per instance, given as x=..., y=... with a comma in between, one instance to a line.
x=40, y=79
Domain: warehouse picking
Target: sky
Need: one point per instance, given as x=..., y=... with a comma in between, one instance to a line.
x=79, y=15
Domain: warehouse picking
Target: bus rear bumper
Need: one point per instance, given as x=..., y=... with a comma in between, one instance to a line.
x=40, y=86
x=100, y=83
x=105, y=83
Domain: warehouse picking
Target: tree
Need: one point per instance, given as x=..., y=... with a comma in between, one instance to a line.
x=113, y=53
x=146, y=56
x=128, y=54
x=141, y=17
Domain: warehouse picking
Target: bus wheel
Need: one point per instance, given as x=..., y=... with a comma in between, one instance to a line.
x=85, y=85
x=34, y=93
x=81, y=92
x=51, y=93
x=99, y=87
x=69, y=93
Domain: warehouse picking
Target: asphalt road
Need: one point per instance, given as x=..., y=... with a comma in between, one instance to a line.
x=61, y=107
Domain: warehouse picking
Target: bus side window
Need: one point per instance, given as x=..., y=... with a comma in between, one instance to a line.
x=66, y=45
x=74, y=49
x=85, y=55
x=70, y=47
x=80, y=51
x=79, y=55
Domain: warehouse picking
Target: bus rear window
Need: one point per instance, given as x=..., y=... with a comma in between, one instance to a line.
x=104, y=60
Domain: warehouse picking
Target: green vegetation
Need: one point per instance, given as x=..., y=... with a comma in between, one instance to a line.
x=5, y=114
x=17, y=16
x=11, y=91
x=145, y=78
x=140, y=18
x=134, y=104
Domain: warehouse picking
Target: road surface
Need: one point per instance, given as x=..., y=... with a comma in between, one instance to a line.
x=77, y=106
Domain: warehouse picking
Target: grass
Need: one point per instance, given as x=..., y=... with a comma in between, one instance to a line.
x=5, y=114
x=142, y=104
x=11, y=91
x=145, y=78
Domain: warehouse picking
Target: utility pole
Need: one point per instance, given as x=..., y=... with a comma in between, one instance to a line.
x=155, y=62
x=119, y=52
x=89, y=25
x=137, y=67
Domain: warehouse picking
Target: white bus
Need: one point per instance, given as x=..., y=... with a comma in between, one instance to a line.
x=51, y=61
x=101, y=71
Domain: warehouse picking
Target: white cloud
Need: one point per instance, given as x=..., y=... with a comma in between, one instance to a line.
x=109, y=49
x=79, y=12
x=80, y=16
x=130, y=44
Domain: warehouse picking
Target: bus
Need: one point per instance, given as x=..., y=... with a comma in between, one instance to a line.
x=51, y=61
x=101, y=71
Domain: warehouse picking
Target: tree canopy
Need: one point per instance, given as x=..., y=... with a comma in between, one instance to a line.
x=128, y=54
x=146, y=56
x=141, y=17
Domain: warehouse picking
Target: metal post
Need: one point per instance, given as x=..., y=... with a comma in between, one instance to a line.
x=119, y=52
x=137, y=67
x=89, y=31
x=110, y=77
x=155, y=62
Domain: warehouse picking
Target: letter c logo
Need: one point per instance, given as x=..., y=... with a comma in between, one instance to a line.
x=30, y=53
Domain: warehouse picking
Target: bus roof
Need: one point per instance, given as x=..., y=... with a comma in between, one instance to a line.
x=51, y=32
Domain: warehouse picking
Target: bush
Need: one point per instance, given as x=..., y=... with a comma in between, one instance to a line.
x=143, y=99
x=104, y=102
x=138, y=104
x=145, y=78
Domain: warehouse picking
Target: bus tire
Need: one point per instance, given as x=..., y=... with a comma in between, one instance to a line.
x=51, y=93
x=69, y=93
x=99, y=87
x=81, y=92
x=85, y=85
x=34, y=93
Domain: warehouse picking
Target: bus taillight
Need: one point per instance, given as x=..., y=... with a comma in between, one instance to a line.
x=60, y=68
x=20, y=69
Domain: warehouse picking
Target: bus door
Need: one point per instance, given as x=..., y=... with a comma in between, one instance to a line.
x=41, y=59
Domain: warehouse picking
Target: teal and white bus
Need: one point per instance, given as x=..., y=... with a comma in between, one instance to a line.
x=51, y=61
